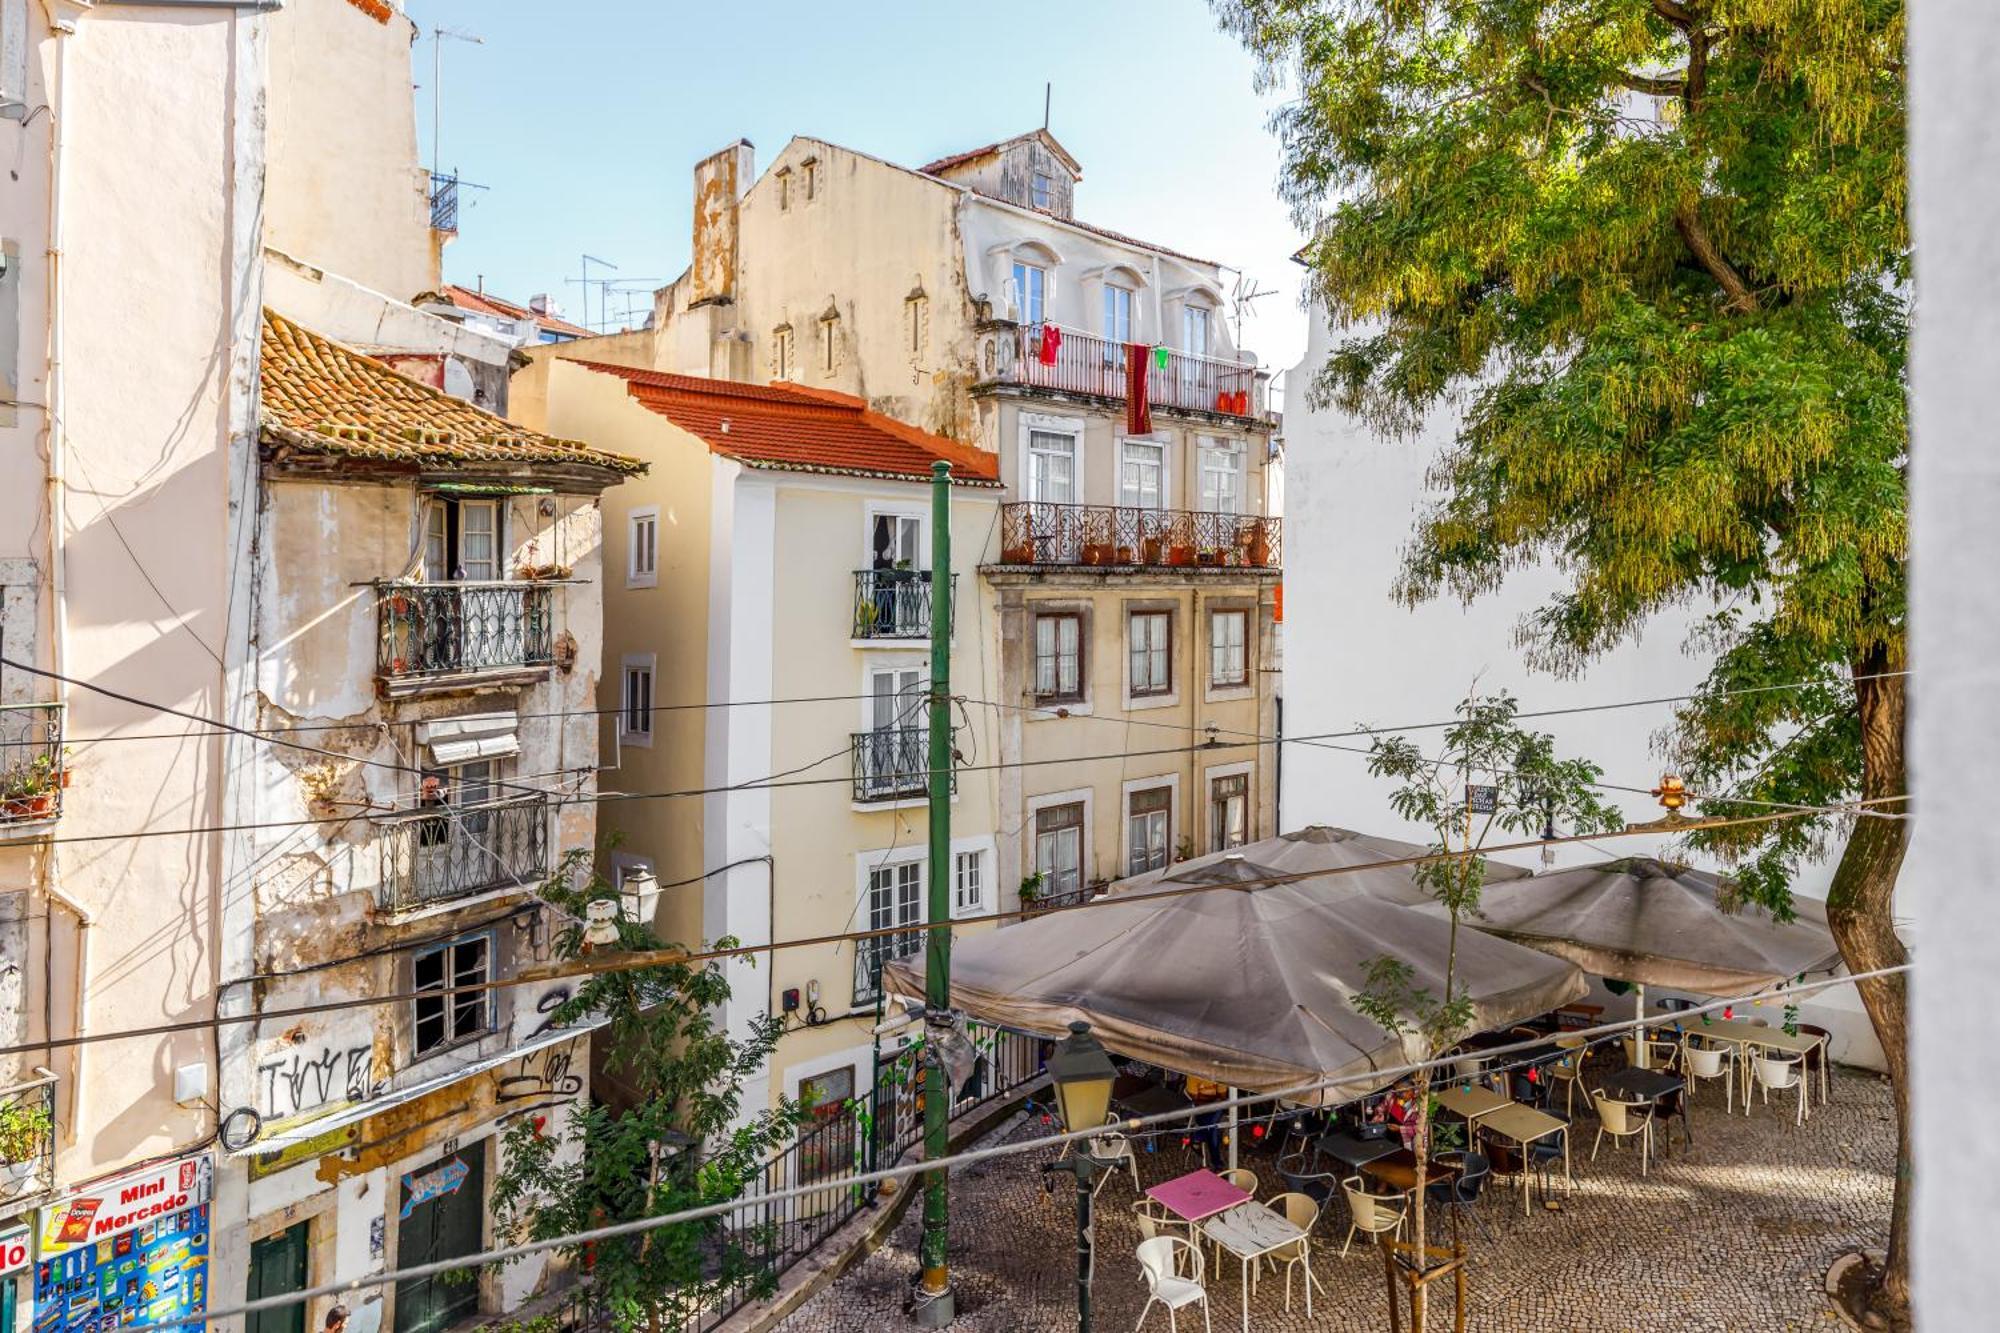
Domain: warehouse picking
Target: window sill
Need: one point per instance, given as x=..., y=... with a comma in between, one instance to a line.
x=896, y=803
x=638, y=740
x=1044, y=710
x=642, y=581
x=1223, y=694
x=492, y=678
x=1139, y=703
x=446, y=906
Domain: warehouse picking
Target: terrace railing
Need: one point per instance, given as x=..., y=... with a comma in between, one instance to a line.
x=32, y=776
x=873, y=954
x=893, y=764
x=894, y=603
x=1039, y=533
x=1083, y=363
x=442, y=631
x=450, y=852
x=32, y=1176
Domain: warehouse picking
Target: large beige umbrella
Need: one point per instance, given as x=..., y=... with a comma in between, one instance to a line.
x=1321, y=847
x=1248, y=987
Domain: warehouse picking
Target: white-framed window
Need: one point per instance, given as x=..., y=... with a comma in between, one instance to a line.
x=895, y=899
x=1117, y=313
x=896, y=540
x=1228, y=811
x=461, y=539
x=784, y=175
x=783, y=367
x=1194, y=329
x=1059, y=656
x=829, y=343
x=1030, y=291
x=442, y=1021
x=1042, y=191
x=1228, y=658
x=635, y=710
x=1221, y=474
x=968, y=882
x=1059, y=848
x=1148, y=829
x=1142, y=474
x=1150, y=640
x=916, y=316
x=1052, y=467
x=642, y=547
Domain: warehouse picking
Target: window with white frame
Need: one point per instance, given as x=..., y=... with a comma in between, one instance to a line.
x=635, y=717
x=782, y=364
x=1228, y=659
x=1150, y=635
x=1059, y=657
x=1194, y=329
x=1117, y=313
x=968, y=882
x=896, y=541
x=1030, y=289
x=1229, y=811
x=1059, y=848
x=829, y=343
x=1221, y=475
x=1148, y=831
x=461, y=538
x=1052, y=467
x=916, y=315
x=443, y=1020
x=895, y=900
x=1142, y=474
x=642, y=547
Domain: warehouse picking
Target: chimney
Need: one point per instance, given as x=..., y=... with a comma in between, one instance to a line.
x=719, y=182
x=542, y=305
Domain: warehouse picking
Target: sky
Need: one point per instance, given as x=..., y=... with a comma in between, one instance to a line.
x=586, y=133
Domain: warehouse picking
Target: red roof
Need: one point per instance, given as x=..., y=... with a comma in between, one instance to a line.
x=944, y=164
x=790, y=427
x=487, y=304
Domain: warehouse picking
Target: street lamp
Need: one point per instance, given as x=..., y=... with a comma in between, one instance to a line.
x=1082, y=1072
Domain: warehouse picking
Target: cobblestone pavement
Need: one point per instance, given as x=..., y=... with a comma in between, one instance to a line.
x=1735, y=1234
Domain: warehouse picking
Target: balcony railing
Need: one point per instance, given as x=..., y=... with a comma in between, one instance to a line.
x=877, y=952
x=430, y=631
x=444, y=203
x=32, y=776
x=894, y=603
x=27, y=1167
x=1084, y=363
x=451, y=851
x=893, y=764
x=1035, y=533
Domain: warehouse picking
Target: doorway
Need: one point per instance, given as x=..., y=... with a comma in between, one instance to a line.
x=277, y=1268
x=442, y=1217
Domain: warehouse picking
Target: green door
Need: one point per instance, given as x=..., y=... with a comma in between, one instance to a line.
x=277, y=1268
x=7, y=1315
x=442, y=1217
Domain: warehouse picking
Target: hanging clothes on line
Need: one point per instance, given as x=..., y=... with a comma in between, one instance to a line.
x=1138, y=412
x=1051, y=344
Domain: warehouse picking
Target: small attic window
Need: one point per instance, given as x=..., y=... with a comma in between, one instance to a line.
x=1043, y=191
x=810, y=168
x=784, y=189
x=829, y=342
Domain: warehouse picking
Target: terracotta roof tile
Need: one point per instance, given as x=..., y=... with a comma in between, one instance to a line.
x=794, y=428
x=465, y=298
x=322, y=397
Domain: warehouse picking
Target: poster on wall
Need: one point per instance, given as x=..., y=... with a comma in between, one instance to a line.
x=129, y=1253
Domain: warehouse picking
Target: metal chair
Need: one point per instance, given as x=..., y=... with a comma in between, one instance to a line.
x=1302, y=1211
x=1372, y=1214
x=1819, y=1060
x=1169, y=1281
x=1243, y=1178
x=1659, y=1054
x=1775, y=1073
x=1109, y=1152
x=1703, y=1063
x=1623, y=1120
x=1567, y=1069
x=1155, y=1219
x=1464, y=1189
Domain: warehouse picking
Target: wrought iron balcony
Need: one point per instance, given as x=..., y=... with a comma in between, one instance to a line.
x=894, y=603
x=877, y=952
x=449, y=851
x=1083, y=363
x=28, y=1153
x=32, y=775
x=893, y=764
x=444, y=202
x=1035, y=533
x=443, y=633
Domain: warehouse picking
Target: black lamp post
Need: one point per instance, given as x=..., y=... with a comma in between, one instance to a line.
x=1083, y=1074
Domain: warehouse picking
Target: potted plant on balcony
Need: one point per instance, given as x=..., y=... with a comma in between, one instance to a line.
x=28, y=791
x=1260, y=545
x=1149, y=549
x=1180, y=553
x=24, y=1127
x=1031, y=889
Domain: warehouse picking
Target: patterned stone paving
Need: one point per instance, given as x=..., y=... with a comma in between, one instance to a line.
x=1735, y=1234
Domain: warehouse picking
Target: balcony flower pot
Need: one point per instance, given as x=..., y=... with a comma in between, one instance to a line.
x=1149, y=550
x=1096, y=553
x=1260, y=547
x=1127, y=556
x=1021, y=553
x=1180, y=555
x=24, y=1126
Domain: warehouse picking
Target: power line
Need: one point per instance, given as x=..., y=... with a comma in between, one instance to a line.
x=994, y=1152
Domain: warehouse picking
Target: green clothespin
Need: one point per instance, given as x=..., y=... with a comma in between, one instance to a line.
x=1160, y=358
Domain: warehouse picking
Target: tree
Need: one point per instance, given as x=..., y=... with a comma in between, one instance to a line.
x=1491, y=776
x=1654, y=254
x=681, y=1143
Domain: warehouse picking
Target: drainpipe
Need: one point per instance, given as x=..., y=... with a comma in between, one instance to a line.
x=58, y=585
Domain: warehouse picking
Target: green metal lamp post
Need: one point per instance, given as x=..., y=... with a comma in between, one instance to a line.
x=1082, y=1072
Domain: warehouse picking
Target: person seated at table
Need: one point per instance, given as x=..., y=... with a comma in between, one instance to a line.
x=1399, y=1108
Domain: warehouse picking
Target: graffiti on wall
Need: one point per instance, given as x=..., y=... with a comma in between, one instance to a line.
x=302, y=1081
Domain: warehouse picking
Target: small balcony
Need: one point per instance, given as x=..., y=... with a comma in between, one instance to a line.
x=877, y=952
x=32, y=772
x=1093, y=367
x=448, y=852
x=453, y=635
x=894, y=604
x=893, y=764
x=1118, y=536
x=27, y=1142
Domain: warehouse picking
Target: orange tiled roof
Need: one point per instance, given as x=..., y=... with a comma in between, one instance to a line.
x=790, y=427
x=465, y=298
x=321, y=397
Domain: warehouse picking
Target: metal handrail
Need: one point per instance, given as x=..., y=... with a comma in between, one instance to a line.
x=446, y=852
x=1042, y=533
x=893, y=764
x=32, y=770
x=467, y=625
x=894, y=603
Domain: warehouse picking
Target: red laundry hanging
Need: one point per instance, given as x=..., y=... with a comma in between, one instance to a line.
x=1051, y=343
x=1138, y=412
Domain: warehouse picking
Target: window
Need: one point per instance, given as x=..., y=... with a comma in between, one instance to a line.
x=1043, y=192
x=1228, y=664
x=1194, y=330
x=1059, y=849
x=1151, y=637
x=1052, y=467
x=916, y=312
x=1117, y=314
x=1142, y=474
x=445, y=1020
x=1229, y=811
x=1221, y=475
x=635, y=722
x=784, y=189
x=1147, y=831
x=896, y=539
x=782, y=365
x=827, y=1095
x=642, y=548
x=1030, y=285
x=461, y=539
x=829, y=324
x=810, y=168
x=1059, y=657
x=968, y=882
x=895, y=899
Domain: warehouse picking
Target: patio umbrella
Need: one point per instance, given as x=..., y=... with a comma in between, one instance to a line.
x=1248, y=987
x=1321, y=847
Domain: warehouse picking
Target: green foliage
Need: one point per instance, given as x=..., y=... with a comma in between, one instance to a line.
x=683, y=1143
x=24, y=1125
x=1655, y=255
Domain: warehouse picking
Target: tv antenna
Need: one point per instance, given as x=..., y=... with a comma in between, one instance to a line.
x=584, y=284
x=1241, y=296
x=438, y=36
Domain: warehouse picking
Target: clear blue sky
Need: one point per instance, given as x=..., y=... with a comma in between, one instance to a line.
x=585, y=121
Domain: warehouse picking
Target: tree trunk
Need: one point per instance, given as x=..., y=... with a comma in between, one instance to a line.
x=1860, y=911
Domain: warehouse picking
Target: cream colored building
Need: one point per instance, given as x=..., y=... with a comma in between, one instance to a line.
x=1131, y=576
x=779, y=548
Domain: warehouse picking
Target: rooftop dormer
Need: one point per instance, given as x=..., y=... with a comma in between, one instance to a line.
x=1031, y=170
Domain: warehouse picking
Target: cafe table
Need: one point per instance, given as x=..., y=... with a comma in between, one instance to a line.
x=1399, y=1170
x=1197, y=1196
x=1471, y=1101
x=1250, y=1231
x=1649, y=1085
x=1745, y=1035
x=1524, y=1125
x=1353, y=1151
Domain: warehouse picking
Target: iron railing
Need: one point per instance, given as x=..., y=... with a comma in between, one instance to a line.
x=1038, y=533
x=444, y=202
x=893, y=764
x=451, y=629
x=28, y=1173
x=1083, y=363
x=894, y=603
x=450, y=851
x=873, y=954
x=1049, y=902
x=32, y=776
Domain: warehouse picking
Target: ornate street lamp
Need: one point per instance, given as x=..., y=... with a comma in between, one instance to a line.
x=1082, y=1072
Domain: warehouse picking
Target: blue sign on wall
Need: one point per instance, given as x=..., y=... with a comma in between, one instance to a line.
x=151, y=1274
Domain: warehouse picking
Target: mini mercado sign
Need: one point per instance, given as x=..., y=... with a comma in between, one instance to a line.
x=15, y=1247
x=130, y=1253
x=124, y=1203
x=432, y=1185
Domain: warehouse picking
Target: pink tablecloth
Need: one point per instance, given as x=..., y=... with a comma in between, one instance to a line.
x=1197, y=1195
